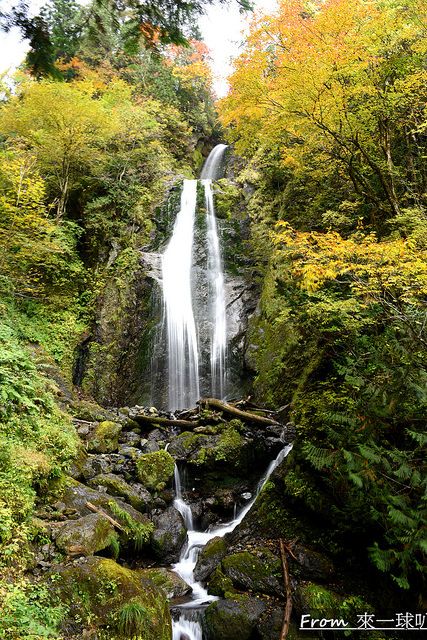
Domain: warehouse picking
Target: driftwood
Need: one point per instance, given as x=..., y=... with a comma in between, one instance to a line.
x=105, y=515
x=166, y=422
x=288, y=609
x=244, y=415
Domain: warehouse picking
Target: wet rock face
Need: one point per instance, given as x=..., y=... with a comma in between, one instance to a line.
x=169, y=535
x=209, y=558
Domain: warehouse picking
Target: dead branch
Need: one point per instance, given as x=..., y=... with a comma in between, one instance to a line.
x=165, y=422
x=104, y=515
x=288, y=609
x=244, y=415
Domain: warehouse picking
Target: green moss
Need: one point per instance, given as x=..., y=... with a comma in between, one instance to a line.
x=155, y=470
x=105, y=437
x=100, y=592
x=219, y=584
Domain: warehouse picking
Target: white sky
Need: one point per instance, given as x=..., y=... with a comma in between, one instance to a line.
x=222, y=29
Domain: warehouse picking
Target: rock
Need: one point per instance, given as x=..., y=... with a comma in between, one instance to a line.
x=169, y=535
x=129, y=452
x=316, y=600
x=95, y=465
x=75, y=495
x=131, y=438
x=105, y=437
x=137, y=496
x=209, y=558
x=311, y=564
x=259, y=572
x=232, y=619
x=168, y=581
x=103, y=594
x=89, y=411
x=92, y=532
x=155, y=470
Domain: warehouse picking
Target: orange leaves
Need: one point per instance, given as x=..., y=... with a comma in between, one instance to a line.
x=190, y=64
x=371, y=268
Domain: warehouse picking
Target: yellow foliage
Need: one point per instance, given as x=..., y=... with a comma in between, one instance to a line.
x=371, y=268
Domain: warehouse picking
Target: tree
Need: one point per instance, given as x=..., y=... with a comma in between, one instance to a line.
x=344, y=80
x=150, y=22
x=64, y=127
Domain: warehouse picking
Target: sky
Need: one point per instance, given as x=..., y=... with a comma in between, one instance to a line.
x=222, y=29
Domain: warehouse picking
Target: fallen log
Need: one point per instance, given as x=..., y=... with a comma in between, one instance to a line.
x=288, y=608
x=244, y=415
x=95, y=509
x=166, y=422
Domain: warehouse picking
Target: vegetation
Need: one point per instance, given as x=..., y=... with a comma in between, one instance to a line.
x=328, y=105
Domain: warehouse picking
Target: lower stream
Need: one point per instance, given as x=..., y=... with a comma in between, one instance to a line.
x=188, y=626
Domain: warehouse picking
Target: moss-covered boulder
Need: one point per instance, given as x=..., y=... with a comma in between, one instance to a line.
x=234, y=619
x=136, y=528
x=105, y=437
x=224, y=444
x=154, y=470
x=259, y=572
x=168, y=581
x=89, y=411
x=209, y=558
x=169, y=535
x=92, y=533
x=116, y=486
x=316, y=600
x=117, y=602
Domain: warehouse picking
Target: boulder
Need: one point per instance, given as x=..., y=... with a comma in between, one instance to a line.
x=95, y=465
x=137, y=526
x=155, y=470
x=105, y=437
x=260, y=572
x=103, y=594
x=168, y=581
x=92, y=533
x=209, y=558
x=137, y=496
x=234, y=619
x=311, y=564
x=169, y=535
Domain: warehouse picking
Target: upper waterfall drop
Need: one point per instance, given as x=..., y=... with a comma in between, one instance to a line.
x=213, y=163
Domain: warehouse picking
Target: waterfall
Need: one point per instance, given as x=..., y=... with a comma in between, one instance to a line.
x=183, y=354
x=198, y=539
x=217, y=310
x=189, y=328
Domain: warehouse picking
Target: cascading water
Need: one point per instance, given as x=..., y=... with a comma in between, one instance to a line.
x=183, y=353
x=217, y=311
x=193, y=319
x=188, y=625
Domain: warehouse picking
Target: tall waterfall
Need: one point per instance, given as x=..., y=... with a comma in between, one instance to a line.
x=184, y=333
x=183, y=352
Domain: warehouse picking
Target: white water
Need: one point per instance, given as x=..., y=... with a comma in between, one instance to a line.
x=183, y=354
x=217, y=295
x=177, y=271
x=196, y=541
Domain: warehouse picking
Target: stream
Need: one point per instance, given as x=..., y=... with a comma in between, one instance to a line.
x=188, y=625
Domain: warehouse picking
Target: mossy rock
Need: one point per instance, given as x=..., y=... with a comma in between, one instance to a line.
x=76, y=495
x=168, y=581
x=117, y=602
x=207, y=450
x=154, y=470
x=209, y=558
x=105, y=437
x=258, y=572
x=316, y=600
x=169, y=535
x=93, y=533
x=116, y=486
x=219, y=585
x=89, y=411
x=234, y=619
